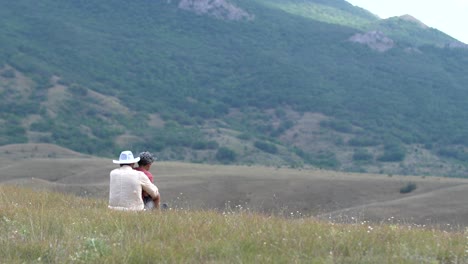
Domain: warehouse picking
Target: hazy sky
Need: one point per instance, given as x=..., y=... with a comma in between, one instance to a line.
x=448, y=16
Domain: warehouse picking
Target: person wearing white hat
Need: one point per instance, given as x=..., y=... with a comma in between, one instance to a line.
x=127, y=184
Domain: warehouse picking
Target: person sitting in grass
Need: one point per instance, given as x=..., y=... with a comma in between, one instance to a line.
x=126, y=185
x=144, y=165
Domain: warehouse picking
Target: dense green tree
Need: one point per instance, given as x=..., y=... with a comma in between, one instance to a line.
x=226, y=155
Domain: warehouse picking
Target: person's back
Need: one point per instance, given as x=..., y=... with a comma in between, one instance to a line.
x=125, y=190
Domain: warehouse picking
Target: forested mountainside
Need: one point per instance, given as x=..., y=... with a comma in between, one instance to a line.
x=273, y=82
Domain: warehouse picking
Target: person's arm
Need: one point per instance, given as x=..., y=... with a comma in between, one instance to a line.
x=157, y=201
x=150, y=188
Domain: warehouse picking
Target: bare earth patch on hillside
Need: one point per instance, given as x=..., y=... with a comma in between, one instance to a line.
x=220, y=9
x=327, y=194
x=306, y=130
x=17, y=85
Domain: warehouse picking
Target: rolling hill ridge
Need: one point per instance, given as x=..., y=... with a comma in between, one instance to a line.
x=329, y=195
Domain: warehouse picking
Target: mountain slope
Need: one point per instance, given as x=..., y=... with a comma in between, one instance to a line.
x=232, y=81
x=406, y=29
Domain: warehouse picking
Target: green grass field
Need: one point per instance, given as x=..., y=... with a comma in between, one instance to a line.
x=49, y=227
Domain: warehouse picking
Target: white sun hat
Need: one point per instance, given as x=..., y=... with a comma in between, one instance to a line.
x=126, y=157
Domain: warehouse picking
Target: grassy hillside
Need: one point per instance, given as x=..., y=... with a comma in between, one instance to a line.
x=54, y=228
x=252, y=82
x=323, y=194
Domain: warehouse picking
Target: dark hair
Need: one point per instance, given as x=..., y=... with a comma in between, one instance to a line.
x=145, y=158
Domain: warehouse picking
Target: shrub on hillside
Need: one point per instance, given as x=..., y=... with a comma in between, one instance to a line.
x=244, y=136
x=201, y=145
x=362, y=155
x=325, y=159
x=337, y=125
x=266, y=147
x=321, y=159
x=453, y=153
x=282, y=128
x=363, y=141
x=41, y=126
x=408, y=188
x=226, y=155
x=393, y=153
x=8, y=73
x=78, y=90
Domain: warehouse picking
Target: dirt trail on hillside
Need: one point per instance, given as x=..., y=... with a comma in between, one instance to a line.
x=445, y=206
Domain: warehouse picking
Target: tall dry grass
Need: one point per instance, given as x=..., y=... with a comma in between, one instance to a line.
x=46, y=227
